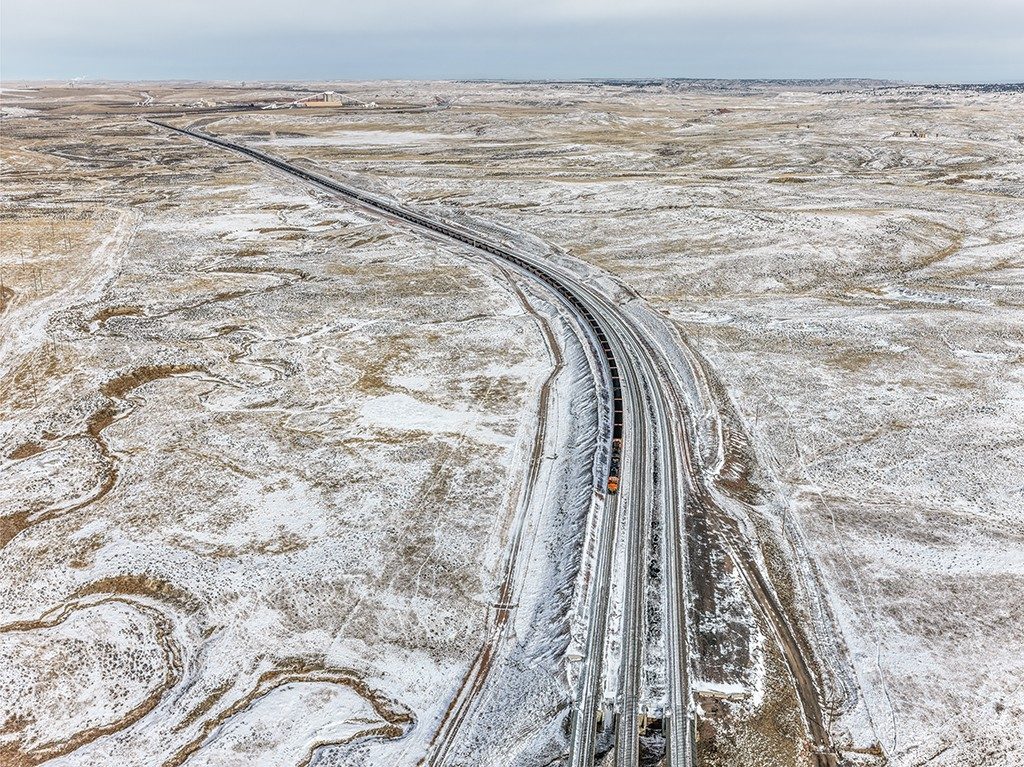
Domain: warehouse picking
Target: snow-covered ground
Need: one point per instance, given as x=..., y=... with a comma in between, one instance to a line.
x=848, y=264
x=279, y=445
x=261, y=460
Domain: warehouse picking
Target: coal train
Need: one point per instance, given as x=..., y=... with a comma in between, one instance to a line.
x=568, y=295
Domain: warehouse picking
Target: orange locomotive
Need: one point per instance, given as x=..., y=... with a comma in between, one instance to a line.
x=613, y=466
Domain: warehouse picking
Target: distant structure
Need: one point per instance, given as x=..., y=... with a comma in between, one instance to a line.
x=331, y=98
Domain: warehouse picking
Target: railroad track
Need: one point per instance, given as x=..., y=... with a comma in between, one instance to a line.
x=660, y=477
x=642, y=407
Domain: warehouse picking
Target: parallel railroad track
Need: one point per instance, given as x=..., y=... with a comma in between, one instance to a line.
x=627, y=365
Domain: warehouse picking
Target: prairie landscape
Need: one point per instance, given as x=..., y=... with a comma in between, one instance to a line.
x=286, y=481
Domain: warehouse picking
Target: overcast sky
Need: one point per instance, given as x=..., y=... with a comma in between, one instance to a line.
x=919, y=40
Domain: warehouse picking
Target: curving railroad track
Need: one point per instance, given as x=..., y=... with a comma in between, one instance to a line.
x=642, y=406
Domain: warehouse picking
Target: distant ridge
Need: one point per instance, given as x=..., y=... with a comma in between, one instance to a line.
x=698, y=83
x=748, y=84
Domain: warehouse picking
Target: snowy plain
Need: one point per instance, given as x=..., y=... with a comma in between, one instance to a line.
x=279, y=444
